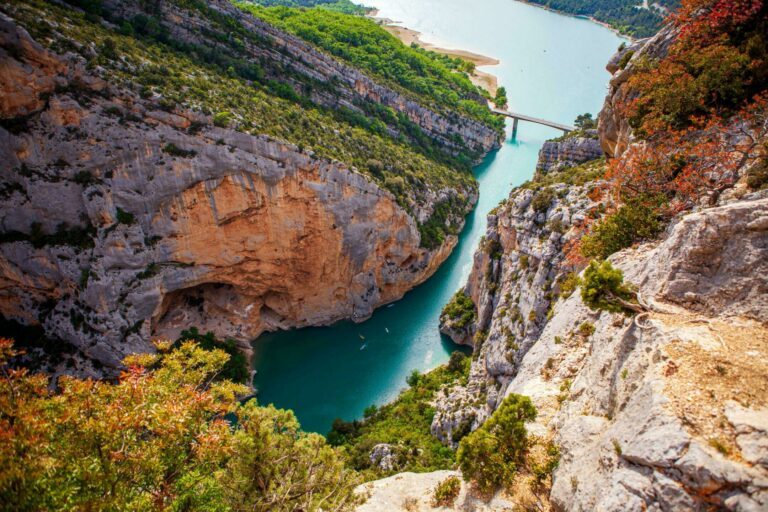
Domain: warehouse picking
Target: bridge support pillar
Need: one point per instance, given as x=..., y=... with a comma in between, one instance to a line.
x=514, y=128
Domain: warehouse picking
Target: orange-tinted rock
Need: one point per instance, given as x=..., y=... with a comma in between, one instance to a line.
x=26, y=79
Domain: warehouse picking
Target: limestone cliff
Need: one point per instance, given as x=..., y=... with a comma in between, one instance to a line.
x=641, y=409
x=614, y=130
x=664, y=411
x=125, y=219
x=569, y=151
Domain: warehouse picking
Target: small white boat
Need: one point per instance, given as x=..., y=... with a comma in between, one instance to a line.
x=386, y=330
x=363, y=347
x=391, y=305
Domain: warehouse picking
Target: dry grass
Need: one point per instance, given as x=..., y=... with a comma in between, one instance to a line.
x=710, y=363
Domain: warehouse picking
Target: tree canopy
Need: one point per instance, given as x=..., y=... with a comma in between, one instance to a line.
x=166, y=436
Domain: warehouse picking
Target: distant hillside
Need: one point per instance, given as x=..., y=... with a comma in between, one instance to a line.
x=345, y=6
x=630, y=17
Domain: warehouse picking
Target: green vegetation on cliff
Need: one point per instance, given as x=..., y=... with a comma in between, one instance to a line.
x=222, y=81
x=700, y=110
x=361, y=42
x=603, y=288
x=403, y=426
x=345, y=6
x=636, y=220
x=491, y=455
x=627, y=16
x=460, y=309
x=236, y=368
x=501, y=451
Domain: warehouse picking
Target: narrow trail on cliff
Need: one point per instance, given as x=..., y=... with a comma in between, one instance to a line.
x=552, y=67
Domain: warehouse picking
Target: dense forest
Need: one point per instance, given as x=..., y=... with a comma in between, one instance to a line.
x=627, y=16
x=345, y=6
x=363, y=43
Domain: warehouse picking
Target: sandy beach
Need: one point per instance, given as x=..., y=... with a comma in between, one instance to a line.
x=408, y=36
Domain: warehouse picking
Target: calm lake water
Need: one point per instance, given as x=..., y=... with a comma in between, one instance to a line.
x=553, y=68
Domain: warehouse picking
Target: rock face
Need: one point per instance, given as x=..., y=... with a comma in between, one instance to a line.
x=383, y=457
x=662, y=412
x=283, y=55
x=613, y=128
x=557, y=155
x=513, y=289
x=646, y=419
x=459, y=334
x=123, y=221
x=414, y=491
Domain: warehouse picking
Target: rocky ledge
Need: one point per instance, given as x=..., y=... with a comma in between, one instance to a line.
x=568, y=152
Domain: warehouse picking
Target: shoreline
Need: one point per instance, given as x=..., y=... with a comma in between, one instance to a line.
x=481, y=79
x=603, y=24
x=407, y=36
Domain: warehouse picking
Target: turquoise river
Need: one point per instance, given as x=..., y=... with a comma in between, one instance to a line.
x=553, y=67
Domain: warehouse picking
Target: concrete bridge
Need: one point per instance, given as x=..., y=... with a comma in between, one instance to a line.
x=522, y=117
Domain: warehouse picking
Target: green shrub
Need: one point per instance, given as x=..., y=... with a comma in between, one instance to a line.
x=569, y=284
x=462, y=429
x=544, y=468
x=458, y=363
x=413, y=379
x=461, y=309
x=501, y=98
x=585, y=122
x=124, y=217
x=587, y=329
x=493, y=249
x=718, y=445
x=446, y=492
x=84, y=178
x=556, y=226
x=151, y=271
x=235, y=369
x=173, y=150
x=625, y=59
x=637, y=220
x=223, y=119
x=441, y=222
x=477, y=342
x=603, y=288
x=543, y=200
x=85, y=275
x=491, y=455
